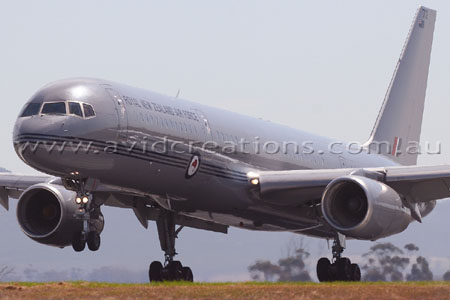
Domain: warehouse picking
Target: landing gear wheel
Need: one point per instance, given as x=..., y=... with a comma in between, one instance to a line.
x=155, y=272
x=93, y=240
x=323, y=269
x=78, y=242
x=175, y=270
x=187, y=274
x=355, y=272
x=344, y=269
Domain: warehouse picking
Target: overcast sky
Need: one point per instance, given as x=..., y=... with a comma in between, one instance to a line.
x=320, y=66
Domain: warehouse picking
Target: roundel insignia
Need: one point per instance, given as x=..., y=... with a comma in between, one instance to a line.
x=194, y=165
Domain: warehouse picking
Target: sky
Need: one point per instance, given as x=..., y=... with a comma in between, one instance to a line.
x=319, y=66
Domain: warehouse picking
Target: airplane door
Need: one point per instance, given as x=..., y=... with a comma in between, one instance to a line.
x=205, y=125
x=121, y=113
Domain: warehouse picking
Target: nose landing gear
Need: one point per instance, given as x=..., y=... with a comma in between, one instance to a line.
x=91, y=216
x=93, y=221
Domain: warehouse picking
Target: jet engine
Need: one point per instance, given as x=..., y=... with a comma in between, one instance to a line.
x=46, y=214
x=364, y=208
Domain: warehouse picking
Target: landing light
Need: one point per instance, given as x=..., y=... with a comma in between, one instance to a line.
x=253, y=177
x=78, y=200
x=85, y=199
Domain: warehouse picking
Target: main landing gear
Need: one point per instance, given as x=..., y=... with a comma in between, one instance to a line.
x=173, y=269
x=92, y=218
x=341, y=269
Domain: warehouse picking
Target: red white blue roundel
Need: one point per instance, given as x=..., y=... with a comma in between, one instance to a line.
x=193, y=166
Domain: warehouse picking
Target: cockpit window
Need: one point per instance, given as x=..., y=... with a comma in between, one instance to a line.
x=54, y=108
x=31, y=109
x=59, y=108
x=88, y=110
x=75, y=109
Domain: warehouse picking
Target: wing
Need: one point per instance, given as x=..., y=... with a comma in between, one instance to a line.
x=415, y=183
x=12, y=185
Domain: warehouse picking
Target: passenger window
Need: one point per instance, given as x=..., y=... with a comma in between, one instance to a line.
x=31, y=109
x=75, y=109
x=54, y=108
x=88, y=110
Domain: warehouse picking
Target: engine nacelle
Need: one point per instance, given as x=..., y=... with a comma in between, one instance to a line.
x=46, y=214
x=364, y=208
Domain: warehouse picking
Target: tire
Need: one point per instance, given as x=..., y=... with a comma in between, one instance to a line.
x=155, y=272
x=187, y=274
x=323, y=269
x=344, y=269
x=175, y=270
x=78, y=242
x=93, y=240
x=355, y=272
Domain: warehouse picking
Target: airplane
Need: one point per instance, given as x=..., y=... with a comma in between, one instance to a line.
x=183, y=164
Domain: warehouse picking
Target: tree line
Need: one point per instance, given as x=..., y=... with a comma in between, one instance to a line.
x=382, y=262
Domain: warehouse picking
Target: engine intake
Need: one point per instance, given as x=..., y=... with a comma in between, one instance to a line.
x=364, y=208
x=45, y=213
x=41, y=212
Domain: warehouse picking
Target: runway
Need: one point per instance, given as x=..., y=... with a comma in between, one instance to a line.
x=250, y=290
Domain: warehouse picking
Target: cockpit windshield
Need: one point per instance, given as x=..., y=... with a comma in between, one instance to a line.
x=54, y=108
x=75, y=109
x=88, y=110
x=31, y=109
x=79, y=109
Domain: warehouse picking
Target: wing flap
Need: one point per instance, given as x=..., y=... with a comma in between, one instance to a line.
x=420, y=183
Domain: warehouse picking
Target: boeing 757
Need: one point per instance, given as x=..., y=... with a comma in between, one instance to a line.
x=183, y=164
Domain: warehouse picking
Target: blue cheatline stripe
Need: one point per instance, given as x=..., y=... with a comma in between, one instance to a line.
x=165, y=159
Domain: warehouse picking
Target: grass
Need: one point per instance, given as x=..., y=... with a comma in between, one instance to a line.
x=232, y=291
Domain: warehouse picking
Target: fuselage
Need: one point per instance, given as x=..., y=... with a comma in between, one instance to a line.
x=145, y=142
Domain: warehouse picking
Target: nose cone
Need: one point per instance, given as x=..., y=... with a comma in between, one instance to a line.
x=34, y=137
x=36, y=127
x=62, y=123
x=39, y=125
x=34, y=120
